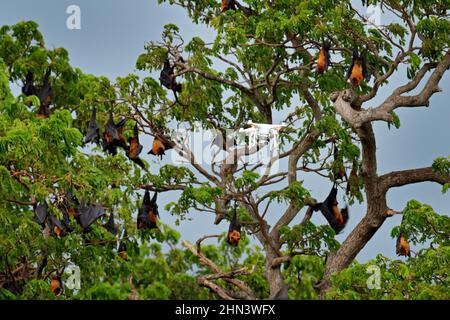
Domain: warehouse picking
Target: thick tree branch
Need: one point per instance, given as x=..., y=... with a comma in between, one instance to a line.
x=405, y=177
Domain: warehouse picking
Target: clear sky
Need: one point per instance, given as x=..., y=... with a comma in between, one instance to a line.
x=113, y=34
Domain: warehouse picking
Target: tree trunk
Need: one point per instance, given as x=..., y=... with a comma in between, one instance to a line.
x=273, y=274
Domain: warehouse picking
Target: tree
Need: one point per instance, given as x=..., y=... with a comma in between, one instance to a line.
x=268, y=50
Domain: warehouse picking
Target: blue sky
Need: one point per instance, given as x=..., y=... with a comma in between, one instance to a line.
x=113, y=34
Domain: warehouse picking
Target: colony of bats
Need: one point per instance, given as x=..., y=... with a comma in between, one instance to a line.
x=112, y=138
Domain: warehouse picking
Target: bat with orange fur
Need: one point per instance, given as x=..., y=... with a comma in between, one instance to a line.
x=135, y=148
x=323, y=59
x=159, y=148
x=148, y=212
x=234, y=231
x=337, y=218
x=358, y=68
x=228, y=5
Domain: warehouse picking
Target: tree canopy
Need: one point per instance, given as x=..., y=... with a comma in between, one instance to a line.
x=261, y=66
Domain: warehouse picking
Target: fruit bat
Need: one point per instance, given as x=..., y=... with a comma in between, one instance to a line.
x=111, y=138
x=90, y=213
x=358, y=68
x=228, y=5
x=45, y=94
x=234, y=231
x=110, y=225
x=56, y=227
x=148, y=212
x=336, y=218
x=68, y=207
x=93, y=133
x=56, y=285
x=159, y=148
x=167, y=79
x=41, y=213
x=122, y=250
x=323, y=60
x=403, y=248
x=135, y=148
x=29, y=88
x=119, y=126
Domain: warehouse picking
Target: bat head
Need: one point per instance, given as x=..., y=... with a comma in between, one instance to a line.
x=233, y=237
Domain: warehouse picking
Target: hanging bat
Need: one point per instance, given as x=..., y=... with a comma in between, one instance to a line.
x=119, y=127
x=403, y=248
x=323, y=59
x=93, y=133
x=110, y=225
x=358, y=68
x=148, y=212
x=167, y=78
x=56, y=227
x=122, y=250
x=90, y=213
x=46, y=95
x=234, y=231
x=159, y=148
x=228, y=5
x=336, y=218
x=56, y=285
x=41, y=213
x=111, y=137
x=29, y=88
x=135, y=148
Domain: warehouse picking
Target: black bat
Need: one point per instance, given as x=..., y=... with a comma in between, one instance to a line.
x=323, y=60
x=93, y=133
x=29, y=88
x=46, y=95
x=234, y=231
x=119, y=126
x=41, y=213
x=336, y=218
x=358, y=68
x=167, y=78
x=110, y=136
x=56, y=227
x=148, y=212
x=135, y=148
x=110, y=225
x=228, y=5
x=90, y=213
x=122, y=250
x=159, y=148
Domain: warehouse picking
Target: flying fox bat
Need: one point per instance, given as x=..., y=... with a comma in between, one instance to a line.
x=46, y=95
x=159, y=148
x=110, y=225
x=90, y=213
x=122, y=250
x=56, y=285
x=167, y=78
x=135, y=148
x=323, y=60
x=228, y=5
x=234, y=231
x=112, y=136
x=336, y=218
x=41, y=213
x=29, y=89
x=93, y=133
x=358, y=68
x=56, y=227
x=403, y=248
x=148, y=212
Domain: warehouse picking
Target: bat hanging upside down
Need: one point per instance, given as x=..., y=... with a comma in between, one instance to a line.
x=113, y=136
x=148, y=212
x=358, y=68
x=56, y=285
x=323, y=60
x=45, y=92
x=135, y=148
x=228, y=5
x=234, y=231
x=159, y=148
x=167, y=78
x=336, y=217
x=403, y=248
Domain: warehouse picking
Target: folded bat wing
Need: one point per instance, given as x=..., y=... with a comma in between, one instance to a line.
x=41, y=213
x=90, y=213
